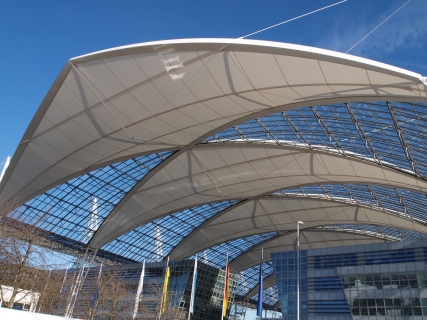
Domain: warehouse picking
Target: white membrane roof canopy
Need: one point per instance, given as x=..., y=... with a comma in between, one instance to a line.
x=208, y=146
x=132, y=100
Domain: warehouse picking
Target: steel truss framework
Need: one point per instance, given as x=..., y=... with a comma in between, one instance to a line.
x=392, y=134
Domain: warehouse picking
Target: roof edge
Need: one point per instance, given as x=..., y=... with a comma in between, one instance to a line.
x=217, y=44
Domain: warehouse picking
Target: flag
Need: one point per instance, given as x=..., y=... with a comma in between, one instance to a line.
x=260, y=287
x=139, y=290
x=165, y=287
x=193, y=289
x=226, y=289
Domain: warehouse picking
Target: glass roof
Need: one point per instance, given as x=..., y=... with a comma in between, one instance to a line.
x=270, y=296
x=155, y=240
x=217, y=255
x=392, y=133
x=410, y=203
x=66, y=209
x=388, y=233
x=248, y=279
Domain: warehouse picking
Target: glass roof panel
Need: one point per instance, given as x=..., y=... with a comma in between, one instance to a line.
x=249, y=279
x=405, y=201
x=270, y=296
x=393, y=133
x=155, y=240
x=390, y=233
x=69, y=209
x=412, y=119
x=217, y=255
x=376, y=121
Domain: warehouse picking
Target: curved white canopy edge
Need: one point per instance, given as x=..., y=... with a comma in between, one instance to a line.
x=216, y=172
x=143, y=98
x=281, y=214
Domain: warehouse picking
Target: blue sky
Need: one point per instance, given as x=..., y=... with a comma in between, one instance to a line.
x=38, y=37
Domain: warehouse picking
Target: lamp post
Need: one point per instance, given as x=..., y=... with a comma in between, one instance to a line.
x=298, y=268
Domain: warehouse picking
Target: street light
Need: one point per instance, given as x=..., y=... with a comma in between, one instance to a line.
x=298, y=267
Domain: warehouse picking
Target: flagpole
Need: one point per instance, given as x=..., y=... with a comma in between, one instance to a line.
x=193, y=289
x=165, y=288
x=139, y=290
x=260, y=297
x=225, y=291
x=298, y=269
x=260, y=287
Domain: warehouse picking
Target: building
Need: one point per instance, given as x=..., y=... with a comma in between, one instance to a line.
x=372, y=281
x=25, y=300
x=216, y=146
x=112, y=287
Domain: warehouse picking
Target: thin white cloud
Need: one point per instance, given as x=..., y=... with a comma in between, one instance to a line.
x=405, y=29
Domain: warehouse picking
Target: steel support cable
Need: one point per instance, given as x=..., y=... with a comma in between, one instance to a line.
x=286, y=21
x=377, y=27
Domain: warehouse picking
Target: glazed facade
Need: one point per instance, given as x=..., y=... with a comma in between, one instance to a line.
x=376, y=281
x=208, y=296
